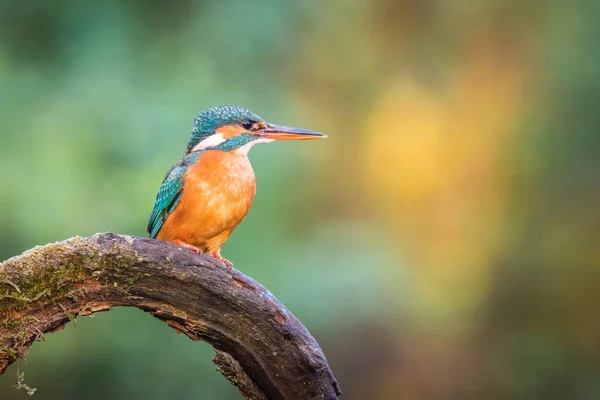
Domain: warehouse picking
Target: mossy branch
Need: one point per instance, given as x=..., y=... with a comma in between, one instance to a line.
x=261, y=347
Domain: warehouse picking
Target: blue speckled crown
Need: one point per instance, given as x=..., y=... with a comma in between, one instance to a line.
x=210, y=120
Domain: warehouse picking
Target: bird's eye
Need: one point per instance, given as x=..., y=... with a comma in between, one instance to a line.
x=247, y=124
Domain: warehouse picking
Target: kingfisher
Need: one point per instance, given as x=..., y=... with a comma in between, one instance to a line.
x=207, y=193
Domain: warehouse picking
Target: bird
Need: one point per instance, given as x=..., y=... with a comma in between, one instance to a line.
x=207, y=193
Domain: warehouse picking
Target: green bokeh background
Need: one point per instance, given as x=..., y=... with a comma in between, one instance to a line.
x=442, y=243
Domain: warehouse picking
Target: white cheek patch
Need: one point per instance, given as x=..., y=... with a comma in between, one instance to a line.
x=246, y=148
x=210, y=141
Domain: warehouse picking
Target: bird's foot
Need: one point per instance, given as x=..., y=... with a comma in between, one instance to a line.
x=217, y=255
x=188, y=246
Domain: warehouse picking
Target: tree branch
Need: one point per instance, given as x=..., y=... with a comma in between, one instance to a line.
x=261, y=347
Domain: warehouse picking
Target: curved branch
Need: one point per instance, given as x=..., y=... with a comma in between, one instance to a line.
x=261, y=347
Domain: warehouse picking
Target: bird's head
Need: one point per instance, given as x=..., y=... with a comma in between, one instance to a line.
x=229, y=128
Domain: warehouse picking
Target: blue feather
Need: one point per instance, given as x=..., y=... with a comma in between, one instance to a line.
x=170, y=193
x=208, y=121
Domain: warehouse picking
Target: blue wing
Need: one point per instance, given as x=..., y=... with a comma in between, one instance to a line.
x=167, y=198
x=169, y=193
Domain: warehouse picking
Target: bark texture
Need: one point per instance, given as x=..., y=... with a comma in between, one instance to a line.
x=261, y=347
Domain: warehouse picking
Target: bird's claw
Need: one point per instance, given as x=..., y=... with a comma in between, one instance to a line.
x=188, y=246
x=217, y=255
x=225, y=261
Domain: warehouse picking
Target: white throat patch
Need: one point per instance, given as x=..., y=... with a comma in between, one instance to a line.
x=210, y=141
x=246, y=148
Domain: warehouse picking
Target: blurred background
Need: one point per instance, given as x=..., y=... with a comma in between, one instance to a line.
x=442, y=243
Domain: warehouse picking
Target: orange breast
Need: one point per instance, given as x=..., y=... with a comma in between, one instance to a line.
x=218, y=192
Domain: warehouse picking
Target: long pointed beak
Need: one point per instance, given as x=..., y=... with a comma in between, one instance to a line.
x=279, y=132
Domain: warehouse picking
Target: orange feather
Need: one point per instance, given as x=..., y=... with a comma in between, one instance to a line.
x=217, y=194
